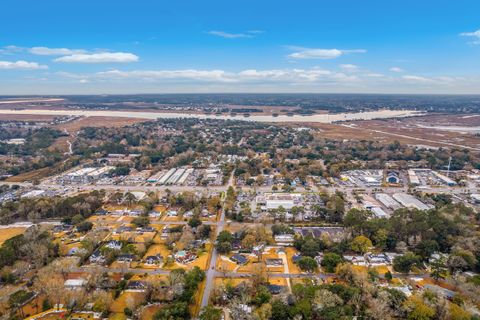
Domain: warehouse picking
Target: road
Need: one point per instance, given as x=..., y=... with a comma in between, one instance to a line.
x=211, y=273
x=217, y=189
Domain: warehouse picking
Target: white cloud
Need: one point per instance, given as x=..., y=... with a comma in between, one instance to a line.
x=149, y=75
x=414, y=78
x=308, y=53
x=374, y=75
x=21, y=64
x=349, y=67
x=296, y=75
x=396, y=69
x=44, y=51
x=10, y=50
x=474, y=34
x=105, y=57
x=228, y=35
x=312, y=75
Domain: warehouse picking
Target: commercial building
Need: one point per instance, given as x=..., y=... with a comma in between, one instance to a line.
x=387, y=201
x=412, y=178
x=166, y=176
x=449, y=182
x=175, y=176
x=185, y=175
x=273, y=201
x=156, y=177
x=393, y=178
x=284, y=239
x=378, y=212
x=410, y=201
x=86, y=175
x=363, y=178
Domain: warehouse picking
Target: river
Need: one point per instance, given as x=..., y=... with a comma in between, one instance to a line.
x=319, y=118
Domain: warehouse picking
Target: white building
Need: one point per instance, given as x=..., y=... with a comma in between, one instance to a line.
x=413, y=178
x=284, y=239
x=410, y=201
x=449, y=182
x=273, y=201
x=387, y=201
x=73, y=284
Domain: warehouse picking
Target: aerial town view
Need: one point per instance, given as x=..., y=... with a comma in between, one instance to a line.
x=251, y=160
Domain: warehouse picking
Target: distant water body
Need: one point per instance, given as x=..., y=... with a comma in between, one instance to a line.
x=319, y=118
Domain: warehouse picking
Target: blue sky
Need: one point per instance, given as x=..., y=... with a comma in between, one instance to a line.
x=105, y=46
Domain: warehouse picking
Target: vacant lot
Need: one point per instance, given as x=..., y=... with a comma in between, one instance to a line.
x=431, y=130
x=127, y=299
x=8, y=233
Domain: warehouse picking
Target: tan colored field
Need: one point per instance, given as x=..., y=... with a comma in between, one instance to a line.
x=249, y=267
x=160, y=249
x=149, y=312
x=292, y=267
x=74, y=126
x=223, y=264
x=229, y=281
x=31, y=175
x=65, y=248
x=414, y=131
x=127, y=299
x=8, y=233
x=137, y=238
x=25, y=117
x=197, y=298
x=103, y=220
x=171, y=219
x=278, y=281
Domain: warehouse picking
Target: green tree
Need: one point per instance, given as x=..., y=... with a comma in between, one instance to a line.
x=210, y=313
x=361, y=244
x=194, y=222
x=330, y=261
x=310, y=248
x=406, y=262
x=141, y=222
x=262, y=296
x=307, y=264
x=279, y=310
x=224, y=247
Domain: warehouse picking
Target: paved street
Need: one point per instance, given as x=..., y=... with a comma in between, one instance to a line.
x=213, y=259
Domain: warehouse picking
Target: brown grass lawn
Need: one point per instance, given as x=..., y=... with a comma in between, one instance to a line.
x=8, y=233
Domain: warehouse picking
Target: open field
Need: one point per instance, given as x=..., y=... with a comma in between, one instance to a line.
x=25, y=117
x=94, y=121
x=8, y=233
x=149, y=311
x=31, y=175
x=127, y=299
x=430, y=130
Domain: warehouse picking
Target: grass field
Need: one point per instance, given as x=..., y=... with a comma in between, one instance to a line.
x=149, y=311
x=292, y=267
x=127, y=299
x=8, y=233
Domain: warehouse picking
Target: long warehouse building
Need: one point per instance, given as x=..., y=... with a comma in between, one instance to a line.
x=184, y=177
x=387, y=201
x=166, y=176
x=174, y=178
x=410, y=201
